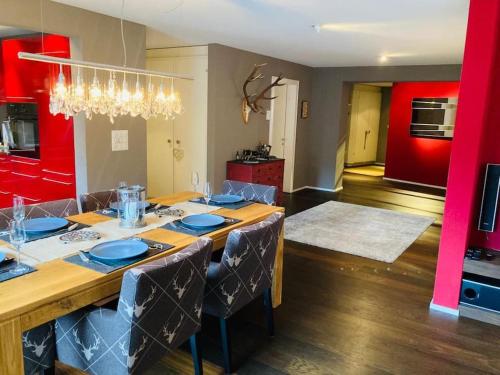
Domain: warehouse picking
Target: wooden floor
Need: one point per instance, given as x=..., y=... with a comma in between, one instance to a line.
x=343, y=314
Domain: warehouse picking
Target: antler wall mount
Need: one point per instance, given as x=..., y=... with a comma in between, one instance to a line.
x=250, y=102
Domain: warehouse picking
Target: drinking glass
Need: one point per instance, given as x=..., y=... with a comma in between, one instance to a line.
x=195, y=180
x=207, y=191
x=17, y=234
x=18, y=209
x=122, y=184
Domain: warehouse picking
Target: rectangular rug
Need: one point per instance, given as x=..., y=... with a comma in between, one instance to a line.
x=358, y=230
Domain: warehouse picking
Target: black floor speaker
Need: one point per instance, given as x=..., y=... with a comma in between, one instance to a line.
x=489, y=203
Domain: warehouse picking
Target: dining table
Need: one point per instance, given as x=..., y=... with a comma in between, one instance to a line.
x=58, y=287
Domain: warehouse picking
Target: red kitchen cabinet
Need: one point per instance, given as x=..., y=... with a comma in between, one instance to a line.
x=53, y=175
x=264, y=173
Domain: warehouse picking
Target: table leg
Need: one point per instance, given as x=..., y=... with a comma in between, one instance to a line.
x=11, y=348
x=278, y=271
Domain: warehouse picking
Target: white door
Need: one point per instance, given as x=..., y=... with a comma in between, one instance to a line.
x=283, y=126
x=364, y=125
x=178, y=147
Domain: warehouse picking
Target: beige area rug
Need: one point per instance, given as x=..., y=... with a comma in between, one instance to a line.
x=369, y=170
x=363, y=231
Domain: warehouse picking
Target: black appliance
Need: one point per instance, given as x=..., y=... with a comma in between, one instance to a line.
x=489, y=202
x=20, y=130
x=481, y=292
x=433, y=117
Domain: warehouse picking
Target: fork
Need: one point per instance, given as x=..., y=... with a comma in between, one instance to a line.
x=86, y=258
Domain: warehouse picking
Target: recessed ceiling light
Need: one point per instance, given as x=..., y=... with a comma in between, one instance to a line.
x=383, y=58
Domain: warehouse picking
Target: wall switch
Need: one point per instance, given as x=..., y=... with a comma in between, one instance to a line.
x=119, y=140
x=268, y=115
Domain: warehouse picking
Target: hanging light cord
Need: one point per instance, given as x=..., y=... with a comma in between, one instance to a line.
x=123, y=36
x=42, y=25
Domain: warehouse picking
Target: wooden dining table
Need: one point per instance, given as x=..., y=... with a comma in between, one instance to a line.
x=59, y=287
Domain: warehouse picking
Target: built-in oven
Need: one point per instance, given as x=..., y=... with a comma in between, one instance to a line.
x=433, y=117
x=20, y=129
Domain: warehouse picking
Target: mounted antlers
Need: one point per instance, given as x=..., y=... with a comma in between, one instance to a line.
x=250, y=102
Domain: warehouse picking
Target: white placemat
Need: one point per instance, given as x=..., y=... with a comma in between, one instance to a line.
x=51, y=248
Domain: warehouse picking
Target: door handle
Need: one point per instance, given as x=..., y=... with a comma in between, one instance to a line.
x=169, y=141
x=178, y=142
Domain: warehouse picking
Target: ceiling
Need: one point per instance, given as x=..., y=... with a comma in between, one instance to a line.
x=354, y=32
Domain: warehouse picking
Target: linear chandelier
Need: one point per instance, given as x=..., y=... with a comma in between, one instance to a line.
x=111, y=99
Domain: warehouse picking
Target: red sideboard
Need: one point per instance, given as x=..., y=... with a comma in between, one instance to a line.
x=269, y=172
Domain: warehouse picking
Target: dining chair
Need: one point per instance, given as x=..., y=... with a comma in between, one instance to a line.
x=57, y=208
x=98, y=200
x=39, y=350
x=159, y=308
x=244, y=273
x=253, y=192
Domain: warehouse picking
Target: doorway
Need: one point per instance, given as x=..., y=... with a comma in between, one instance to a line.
x=367, y=128
x=283, y=126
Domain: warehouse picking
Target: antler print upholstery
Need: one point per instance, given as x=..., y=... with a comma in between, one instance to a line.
x=57, y=208
x=246, y=267
x=152, y=317
x=98, y=200
x=39, y=342
x=253, y=192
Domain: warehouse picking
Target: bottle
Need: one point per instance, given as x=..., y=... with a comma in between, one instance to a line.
x=238, y=157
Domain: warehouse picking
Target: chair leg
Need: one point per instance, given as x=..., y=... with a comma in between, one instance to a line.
x=268, y=304
x=226, y=345
x=194, y=341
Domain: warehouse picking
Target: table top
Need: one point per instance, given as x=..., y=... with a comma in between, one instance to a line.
x=57, y=279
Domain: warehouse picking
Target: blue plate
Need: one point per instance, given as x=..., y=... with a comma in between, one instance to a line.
x=114, y=205
x=118, y=250
x=45, y=224
x=2, y=257
x=202, y=221
x=226, y=199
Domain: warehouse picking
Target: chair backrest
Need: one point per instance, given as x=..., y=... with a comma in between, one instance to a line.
x=57, y=208
x=254, y=192
x=98, y=200
x=246, y=268
x=162, y=301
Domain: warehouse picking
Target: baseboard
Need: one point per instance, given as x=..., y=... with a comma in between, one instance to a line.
x=380, y=164
x=413, y=183
x=359, y=164
x=444, y=309
x=318, y=188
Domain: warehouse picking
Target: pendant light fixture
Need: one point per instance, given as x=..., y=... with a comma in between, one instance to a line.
x=112, y=98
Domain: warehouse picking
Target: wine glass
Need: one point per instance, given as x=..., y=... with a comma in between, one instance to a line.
x=207, y=191
x=18, y=209
x=17, y=234
x=195, y=180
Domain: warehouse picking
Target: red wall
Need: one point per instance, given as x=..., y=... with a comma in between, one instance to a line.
x=420, y=160
x=476, y=142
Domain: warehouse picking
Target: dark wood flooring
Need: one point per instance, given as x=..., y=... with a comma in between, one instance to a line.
x=343, y=314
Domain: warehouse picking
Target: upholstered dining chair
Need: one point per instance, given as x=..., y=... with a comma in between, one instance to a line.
x=39, y=342
x=244, y=273
x=98, y=200
x=254, y=192
x=159, y=308
x=57, y=208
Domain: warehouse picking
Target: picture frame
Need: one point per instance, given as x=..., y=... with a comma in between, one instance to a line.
x=304, y=109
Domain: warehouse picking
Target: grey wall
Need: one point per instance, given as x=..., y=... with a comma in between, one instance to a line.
x=95, y=37
x=383, y=128
x=330, y=95
x=227, y=70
